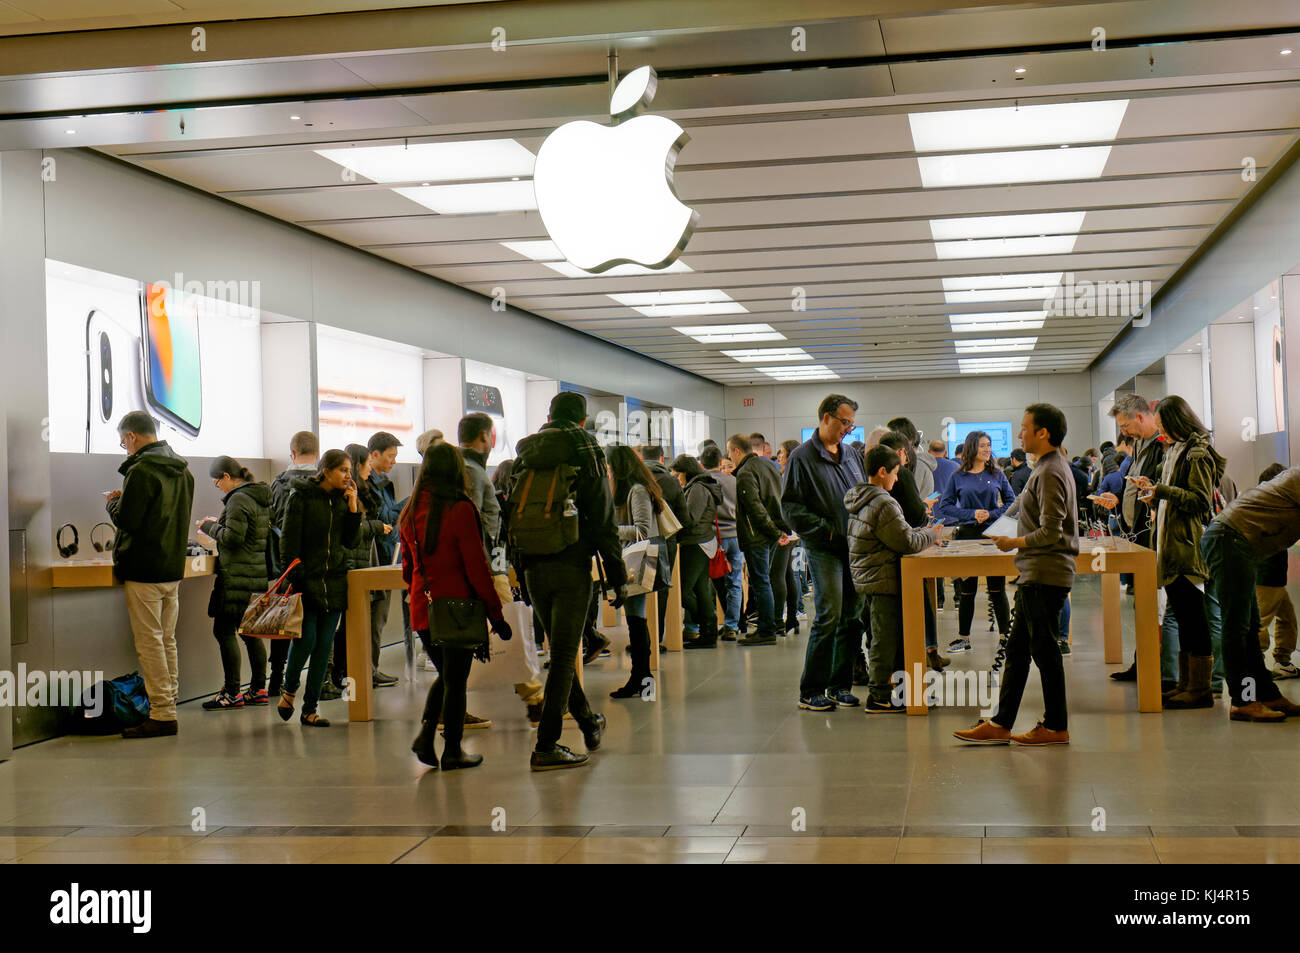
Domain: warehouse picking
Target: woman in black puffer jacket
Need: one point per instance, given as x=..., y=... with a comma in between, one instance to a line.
x=240, y=534
x=321, y=523
x=703, y=494
x=360, y=556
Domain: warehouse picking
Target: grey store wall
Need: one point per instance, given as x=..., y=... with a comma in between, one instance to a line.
x=99, y=213
x=779, y=411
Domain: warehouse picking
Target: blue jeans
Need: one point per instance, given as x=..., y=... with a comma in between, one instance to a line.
x=1232, y=609
x=836, y=630
x=730, y=592
x=759, y=557
x=1170, y=645
x=315, y=643
x=1064, y=629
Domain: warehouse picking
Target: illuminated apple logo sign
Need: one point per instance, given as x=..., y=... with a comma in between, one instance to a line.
x=605, y=193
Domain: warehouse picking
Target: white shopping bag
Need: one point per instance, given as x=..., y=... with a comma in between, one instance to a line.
x=641, y=560
x=510, y=662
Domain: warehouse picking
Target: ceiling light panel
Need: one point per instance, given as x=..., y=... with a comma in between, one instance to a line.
x=478, y=198
x=764, y=354
x=998, y=321
x=1006, y=226
x=992, y=365
x=1000, y=168
x=811, y=372
x=1048, y=279
x=731, y=333
x=1006, y=247
x=1005, y=126
x=982, y=345
x=549, y=254
x=437, y=161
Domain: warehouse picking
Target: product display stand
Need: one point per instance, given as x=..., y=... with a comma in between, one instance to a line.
x=1107, y=557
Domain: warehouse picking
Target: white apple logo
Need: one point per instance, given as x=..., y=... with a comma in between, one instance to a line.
x=605, y=192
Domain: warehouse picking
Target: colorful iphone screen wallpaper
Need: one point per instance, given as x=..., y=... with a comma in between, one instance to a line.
x=175, y=382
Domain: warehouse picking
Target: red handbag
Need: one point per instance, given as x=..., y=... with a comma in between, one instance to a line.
x=719, y=564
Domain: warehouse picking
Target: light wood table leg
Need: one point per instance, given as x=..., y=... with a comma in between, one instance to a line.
x=652, y=623
x=673, y=621
x=914, y=636
x=608, y=615
x=1112, y=626
x=1148, y=636
x=361, y=707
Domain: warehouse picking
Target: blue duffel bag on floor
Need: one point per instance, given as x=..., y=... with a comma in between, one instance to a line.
x=112, y=705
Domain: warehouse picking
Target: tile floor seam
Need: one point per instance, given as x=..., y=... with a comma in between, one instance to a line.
x=396, y=859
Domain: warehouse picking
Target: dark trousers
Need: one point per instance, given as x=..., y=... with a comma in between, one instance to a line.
x=446, y=699
x=1188, y=606
x=759, y=558
x=996, y=586
x=1232, y=583
x=784, y=596
x=697, y=591
x=837, y=629
x=560, y=593
x=1034, y=635
x=886, y=615
x=379, y=605
x=314, y=645
x=225, y=629
x=278, y=655
x=339, y=666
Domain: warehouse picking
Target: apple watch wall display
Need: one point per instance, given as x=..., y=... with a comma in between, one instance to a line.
x=605, y=193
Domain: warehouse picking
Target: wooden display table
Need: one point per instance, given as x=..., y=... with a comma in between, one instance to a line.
x=98, y=573
x=1105, y=556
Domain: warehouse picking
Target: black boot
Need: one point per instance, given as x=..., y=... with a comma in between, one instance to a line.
x=638, y=631
x=423, y=745
x=1129, y=674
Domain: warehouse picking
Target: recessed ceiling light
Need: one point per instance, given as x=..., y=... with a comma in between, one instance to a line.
x=758, y=355
x=731, y=333
x=1004, y=126
x=992, y=365
x=1006, y=226
x=70, y=132
x=438, y=161
x=1005, y=247
x=1020, y=69
x=295, y=118
x=980, y=345
x=477, y=198
x=812, y=372
x=1286, y=52
x=995, y=168
x=549, y=254
x=998, y=321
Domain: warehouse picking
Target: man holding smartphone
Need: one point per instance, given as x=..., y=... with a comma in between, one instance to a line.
x=152, y=516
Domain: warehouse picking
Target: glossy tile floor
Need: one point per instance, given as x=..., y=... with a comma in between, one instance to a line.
x=720, y=768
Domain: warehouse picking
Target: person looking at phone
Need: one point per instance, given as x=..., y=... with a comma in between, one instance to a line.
x=382, y=448
x=879, y=534
x=240, y=534
x=321, y=524
x=443, y=558
x=1046, y=548
x=360, y=556
x=304, y=448
x=559, y=583
x=152, y=516
x=978, y=493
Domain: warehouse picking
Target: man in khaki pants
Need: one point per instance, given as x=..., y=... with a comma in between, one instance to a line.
x=152, y=516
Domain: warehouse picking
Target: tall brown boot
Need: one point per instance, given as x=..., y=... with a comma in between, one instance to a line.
x=1197, y=694
x=1182, y=678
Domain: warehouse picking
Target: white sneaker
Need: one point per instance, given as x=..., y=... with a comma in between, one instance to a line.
x=1286, y=670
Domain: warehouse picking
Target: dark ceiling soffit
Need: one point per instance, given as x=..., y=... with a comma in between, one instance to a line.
x=1171, y=285
x=602, y=79
x=388, y=261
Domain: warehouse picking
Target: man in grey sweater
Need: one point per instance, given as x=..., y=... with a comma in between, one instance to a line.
x=1046, y=546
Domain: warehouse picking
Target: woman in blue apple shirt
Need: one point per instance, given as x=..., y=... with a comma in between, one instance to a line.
x=977, y=494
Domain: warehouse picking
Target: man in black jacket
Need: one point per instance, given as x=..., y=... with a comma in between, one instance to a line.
x=1018, y=472
x=152, y=516
x=760, y=527
x=817, y=475
x=653, y=456
x=383, y=455
x=559, y=585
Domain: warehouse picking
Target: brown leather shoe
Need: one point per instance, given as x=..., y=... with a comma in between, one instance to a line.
x=985, y=733
x=150, y=728
x=1255, y=711
x=1284, y=705
x=1041, y=735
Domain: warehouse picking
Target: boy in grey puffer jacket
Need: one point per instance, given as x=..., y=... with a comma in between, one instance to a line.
x=878, y=536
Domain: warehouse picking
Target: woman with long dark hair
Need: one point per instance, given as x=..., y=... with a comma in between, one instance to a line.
x=360, y=556
x=321, y=522
x=638, y=501
x=977, y=494
x=699, y=529
x=240, y=534
x=1184, y=504
x=443, y=558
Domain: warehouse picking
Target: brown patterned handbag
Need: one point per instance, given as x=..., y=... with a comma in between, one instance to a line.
x=274, y=614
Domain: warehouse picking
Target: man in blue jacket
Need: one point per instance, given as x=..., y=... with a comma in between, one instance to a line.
x=817, y=475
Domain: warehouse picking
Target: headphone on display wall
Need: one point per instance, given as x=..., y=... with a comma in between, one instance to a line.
x=107, y=546
x=67, y=552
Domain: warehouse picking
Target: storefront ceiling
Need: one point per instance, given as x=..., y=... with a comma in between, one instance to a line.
x=803, y=178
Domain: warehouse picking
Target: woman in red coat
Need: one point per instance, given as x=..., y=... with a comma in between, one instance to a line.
x=443, y=557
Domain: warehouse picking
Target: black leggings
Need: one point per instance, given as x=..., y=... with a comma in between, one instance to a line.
x=995, y=585
x=225, y=629
x=697, y=591
x=1188, y=606
x=446, y=698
